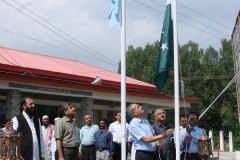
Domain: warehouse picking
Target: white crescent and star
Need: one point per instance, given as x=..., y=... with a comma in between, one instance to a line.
x=164, y=46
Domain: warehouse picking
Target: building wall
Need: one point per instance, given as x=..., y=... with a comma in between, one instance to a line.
x=236, y=57
x=48, y=98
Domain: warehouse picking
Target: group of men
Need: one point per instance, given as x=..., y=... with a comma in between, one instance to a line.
x=65, y=141
x=156, y=142
x=101, y=143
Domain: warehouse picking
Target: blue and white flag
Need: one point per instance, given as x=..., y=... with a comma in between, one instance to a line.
x=114, y=16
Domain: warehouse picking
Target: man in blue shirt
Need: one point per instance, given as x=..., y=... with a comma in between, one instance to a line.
x=142, y=134
x=189, y=138
x=87, y=132
x=104, y=142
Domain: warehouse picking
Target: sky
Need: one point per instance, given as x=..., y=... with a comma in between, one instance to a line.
x=79, y=30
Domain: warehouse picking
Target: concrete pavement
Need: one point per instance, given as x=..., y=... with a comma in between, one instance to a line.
x=222, y=156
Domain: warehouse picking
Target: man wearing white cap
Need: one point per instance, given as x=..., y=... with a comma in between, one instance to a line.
x=47, y=130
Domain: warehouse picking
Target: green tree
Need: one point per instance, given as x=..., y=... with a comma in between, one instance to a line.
x=205, y=74
x=140, y=62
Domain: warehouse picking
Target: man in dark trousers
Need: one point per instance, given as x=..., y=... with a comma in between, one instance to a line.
x=142, y=134
x=32, y=143
x=104, y=142
x=189, y=138
x=115, y=129
x=87, y=148
x=165, y=146
x=66, y=134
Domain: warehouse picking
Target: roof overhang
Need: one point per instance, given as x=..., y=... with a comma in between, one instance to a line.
x=61, y=76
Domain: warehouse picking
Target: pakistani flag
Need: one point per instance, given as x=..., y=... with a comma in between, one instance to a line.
x=165, y=52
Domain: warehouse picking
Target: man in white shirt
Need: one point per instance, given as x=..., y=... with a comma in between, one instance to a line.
x=32, y=144
x=115, y=129
x=47, y=130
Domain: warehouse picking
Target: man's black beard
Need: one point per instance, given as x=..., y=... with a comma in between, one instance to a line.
x=30, y=112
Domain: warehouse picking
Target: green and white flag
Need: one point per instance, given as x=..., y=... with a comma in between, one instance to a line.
x=165, y=52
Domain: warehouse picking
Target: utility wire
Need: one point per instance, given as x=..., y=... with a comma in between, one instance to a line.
x=100, y=57
x=24, y=68
x=213, y=35
x=204, y=24
x=16, y=62
x=26, y=71
x=194, y=19
x=45, y=43
x=212, y=19
x=58, y=29
x=6, y=59
x=81, y=42
x=145, y=5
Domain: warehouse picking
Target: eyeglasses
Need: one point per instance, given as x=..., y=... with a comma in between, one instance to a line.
x=193, y=116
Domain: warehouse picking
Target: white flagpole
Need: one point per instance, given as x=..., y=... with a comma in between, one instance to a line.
x=123, y=79
x=176, y=79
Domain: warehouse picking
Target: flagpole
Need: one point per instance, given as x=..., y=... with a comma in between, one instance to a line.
x=123, y=79
x=176, y=79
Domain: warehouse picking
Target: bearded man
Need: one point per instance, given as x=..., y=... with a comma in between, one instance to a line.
x=32, y=143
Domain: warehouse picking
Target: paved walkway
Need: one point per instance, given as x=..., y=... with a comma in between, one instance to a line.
x=222, y=156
